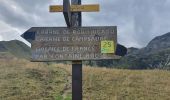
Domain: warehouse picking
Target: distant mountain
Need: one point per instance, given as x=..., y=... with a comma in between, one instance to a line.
x=132, y=50
x=159, y=43
x=15, y=48
x=155, y=55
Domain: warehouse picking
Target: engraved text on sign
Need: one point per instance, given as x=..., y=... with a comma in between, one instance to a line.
x=84, y=43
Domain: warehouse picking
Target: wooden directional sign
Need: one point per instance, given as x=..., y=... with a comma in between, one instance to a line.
x=76, y=8
x=82, y=43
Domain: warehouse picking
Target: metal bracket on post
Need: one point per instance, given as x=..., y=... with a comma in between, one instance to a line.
x=66, y=12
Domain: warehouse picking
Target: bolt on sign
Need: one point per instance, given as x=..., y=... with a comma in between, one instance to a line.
x=80, y=43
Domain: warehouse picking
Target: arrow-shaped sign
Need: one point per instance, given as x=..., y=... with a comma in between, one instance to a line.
x=29, y=35
x=83, y=43
x=121, y=50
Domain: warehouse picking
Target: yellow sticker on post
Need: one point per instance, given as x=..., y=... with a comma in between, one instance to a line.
x=107, y=46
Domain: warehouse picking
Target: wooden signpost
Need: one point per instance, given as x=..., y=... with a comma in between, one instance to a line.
x=74, y=43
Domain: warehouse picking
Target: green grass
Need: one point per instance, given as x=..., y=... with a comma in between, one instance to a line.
x=23, y=80
x=60, y=97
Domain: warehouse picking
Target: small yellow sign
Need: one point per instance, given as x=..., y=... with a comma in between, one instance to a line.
x=84, y=8
x=107, y=46
x=76, y=8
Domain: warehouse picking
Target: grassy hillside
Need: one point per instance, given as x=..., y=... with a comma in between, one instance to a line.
x=6, y=55
x=16, y=48
x=23, y=80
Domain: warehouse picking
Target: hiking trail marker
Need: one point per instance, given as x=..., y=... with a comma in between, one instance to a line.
x=74, y=43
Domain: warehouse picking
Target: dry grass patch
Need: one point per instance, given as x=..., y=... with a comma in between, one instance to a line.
x=24, y=80
x=109, y=84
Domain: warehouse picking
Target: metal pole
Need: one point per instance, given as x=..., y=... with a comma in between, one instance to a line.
x=76, y=21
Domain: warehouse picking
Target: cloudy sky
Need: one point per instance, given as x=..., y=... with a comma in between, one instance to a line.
x=138, y=21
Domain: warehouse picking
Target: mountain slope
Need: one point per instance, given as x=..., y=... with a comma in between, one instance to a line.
x=16, y=48
x=132, y=50
x=155, y=55
x=159, y=43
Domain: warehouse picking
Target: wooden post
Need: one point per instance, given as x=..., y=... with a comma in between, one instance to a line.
x=66, y=12
x=76, y=21
x=77, y=80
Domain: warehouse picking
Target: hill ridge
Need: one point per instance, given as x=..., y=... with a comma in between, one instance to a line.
x=16, y=48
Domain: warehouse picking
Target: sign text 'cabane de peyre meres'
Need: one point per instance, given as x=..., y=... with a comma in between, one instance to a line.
x=80, y=43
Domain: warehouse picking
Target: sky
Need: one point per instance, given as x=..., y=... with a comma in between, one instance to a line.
x=138, y=21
